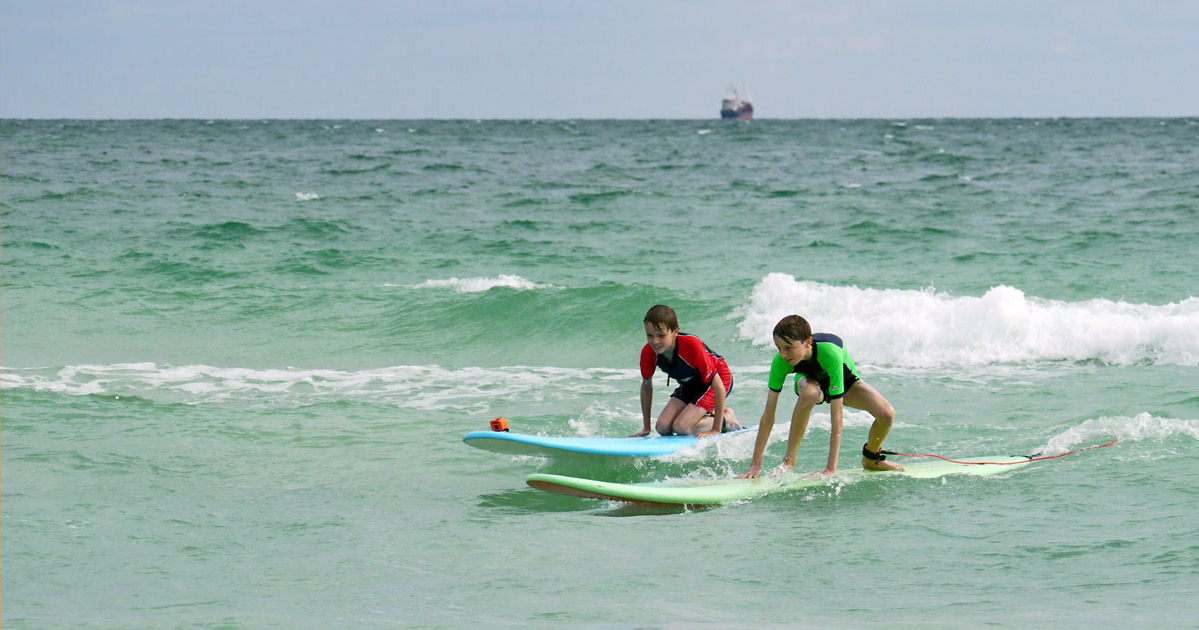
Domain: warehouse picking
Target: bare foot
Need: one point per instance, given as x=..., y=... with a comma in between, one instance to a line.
x=870, y=464
x=730, y=422
x=752, y=473
x=783, y=469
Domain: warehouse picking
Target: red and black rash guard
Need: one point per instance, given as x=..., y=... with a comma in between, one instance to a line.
x=693, y=364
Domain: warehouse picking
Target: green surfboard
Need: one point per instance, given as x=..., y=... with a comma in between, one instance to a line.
x=717, y=491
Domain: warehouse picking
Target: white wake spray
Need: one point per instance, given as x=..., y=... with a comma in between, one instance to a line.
x=1143, y=426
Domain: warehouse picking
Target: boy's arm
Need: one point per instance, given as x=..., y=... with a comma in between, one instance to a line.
x=647, y=400
x=799, y=428
x=836, y=411
x=832, y=360
x=720, y=395
x=648, y=366
x=765, y=424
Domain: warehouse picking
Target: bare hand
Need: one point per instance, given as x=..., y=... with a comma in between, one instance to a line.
x=641, y=433
x=706, y=433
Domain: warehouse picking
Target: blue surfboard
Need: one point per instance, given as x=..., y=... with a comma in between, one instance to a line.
x=546, y=446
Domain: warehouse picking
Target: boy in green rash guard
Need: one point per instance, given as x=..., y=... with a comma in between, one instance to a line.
x=823, y=373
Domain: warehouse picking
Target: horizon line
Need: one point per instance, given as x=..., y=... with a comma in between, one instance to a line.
x=588, y=119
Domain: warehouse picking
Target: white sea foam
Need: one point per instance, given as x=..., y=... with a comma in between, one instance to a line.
x=307, y=196
x=905, y=328
x=598, y=419
x=422, y=387
x=478, y=285
x=1143, y=426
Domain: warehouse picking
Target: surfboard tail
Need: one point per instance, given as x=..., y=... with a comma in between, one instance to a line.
x=583, y=493
x=569, y=491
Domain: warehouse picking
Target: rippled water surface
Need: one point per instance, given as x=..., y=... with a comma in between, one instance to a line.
x=239, y=358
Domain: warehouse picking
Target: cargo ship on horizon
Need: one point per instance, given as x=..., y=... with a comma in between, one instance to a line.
x=735, y=107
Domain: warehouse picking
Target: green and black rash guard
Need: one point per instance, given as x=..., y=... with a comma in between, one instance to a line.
x=830, y=367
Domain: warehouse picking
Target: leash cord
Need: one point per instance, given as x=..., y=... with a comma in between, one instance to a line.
x=1030, y=458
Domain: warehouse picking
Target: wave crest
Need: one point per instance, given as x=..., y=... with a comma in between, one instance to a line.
x=930, y=329
x=479, y=285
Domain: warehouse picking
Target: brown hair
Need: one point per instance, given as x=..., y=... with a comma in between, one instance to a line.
x=793, y=328
x=663, y=317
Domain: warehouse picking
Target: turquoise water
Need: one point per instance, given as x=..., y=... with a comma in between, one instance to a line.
x=239, y=357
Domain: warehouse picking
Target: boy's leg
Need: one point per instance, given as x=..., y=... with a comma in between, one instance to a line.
x=669, y=416
x=809, y=396
x=863, y=396
x=708, y=403
x=692, y=419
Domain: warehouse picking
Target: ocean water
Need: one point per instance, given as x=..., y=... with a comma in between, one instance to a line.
x=238, y=358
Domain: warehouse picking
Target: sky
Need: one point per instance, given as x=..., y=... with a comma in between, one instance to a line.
x=580, y=59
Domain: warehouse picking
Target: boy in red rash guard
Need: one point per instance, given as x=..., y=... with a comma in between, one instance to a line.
x=697, y=406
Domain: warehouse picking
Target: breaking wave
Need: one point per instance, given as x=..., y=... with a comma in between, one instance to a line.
x=926, y=328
